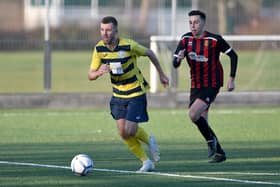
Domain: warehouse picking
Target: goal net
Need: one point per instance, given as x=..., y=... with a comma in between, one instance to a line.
x=258, y=62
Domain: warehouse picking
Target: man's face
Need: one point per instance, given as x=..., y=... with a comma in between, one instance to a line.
x=196, y=25
x=108, y=33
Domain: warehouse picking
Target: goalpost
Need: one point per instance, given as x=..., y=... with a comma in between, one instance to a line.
x=166, y=45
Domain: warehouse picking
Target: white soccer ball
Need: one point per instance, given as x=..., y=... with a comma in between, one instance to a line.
x=81, y=164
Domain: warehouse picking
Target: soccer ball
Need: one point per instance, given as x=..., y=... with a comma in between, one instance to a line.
x=81, y=164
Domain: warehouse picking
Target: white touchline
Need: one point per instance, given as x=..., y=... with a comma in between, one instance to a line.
x=156, y=173
x=35, y=165
x=238, y=173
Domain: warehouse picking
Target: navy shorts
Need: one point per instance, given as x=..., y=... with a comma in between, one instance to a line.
x=132, y=109
x=207, y=95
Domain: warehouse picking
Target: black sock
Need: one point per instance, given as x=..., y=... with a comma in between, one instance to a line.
x=204, y=129
x=219, y=147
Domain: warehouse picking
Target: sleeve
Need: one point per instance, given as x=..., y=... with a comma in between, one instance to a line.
x=225, y=48
x=137, y=49
x=233, y=62
x=223, y=45
x=180, y=47
x=95, y=61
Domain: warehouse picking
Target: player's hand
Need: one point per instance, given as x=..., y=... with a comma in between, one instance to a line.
x=94, y=74
x=181, y=55
x=104, y=68
x=164, y=80
x=230, y=85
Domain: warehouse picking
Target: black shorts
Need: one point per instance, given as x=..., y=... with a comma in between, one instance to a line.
x=207, y=95
x=132, y=109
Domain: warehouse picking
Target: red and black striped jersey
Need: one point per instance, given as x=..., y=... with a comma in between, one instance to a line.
x=203, y=57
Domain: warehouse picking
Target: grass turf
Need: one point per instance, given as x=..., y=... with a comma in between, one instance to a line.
x=250, y=137
x=23, y=71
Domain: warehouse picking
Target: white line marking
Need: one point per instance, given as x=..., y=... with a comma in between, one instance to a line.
x=35, y=165
x=239, y=173
x=160, y=174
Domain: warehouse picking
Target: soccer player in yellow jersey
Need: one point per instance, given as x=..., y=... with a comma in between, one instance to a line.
x=118, y=56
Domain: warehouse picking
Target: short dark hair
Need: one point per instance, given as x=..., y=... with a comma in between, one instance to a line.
x=198, y=13
x=110, y=19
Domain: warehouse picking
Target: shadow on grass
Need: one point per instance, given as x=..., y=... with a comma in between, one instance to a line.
x=176, y=157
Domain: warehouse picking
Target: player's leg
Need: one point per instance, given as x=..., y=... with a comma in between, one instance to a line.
x=136, y=148
x=220, y=155
x=219, y=148
x=132, y=129
x=195, y=113
x=137, y=112
x=128, y=135
x=200, y=101
x=127, y=130
x=143, y=136
x=135, y=130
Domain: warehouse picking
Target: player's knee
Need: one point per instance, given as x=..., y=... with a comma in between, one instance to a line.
x=193, y=116
x=123, y=135
x=130, y=128
x=130, y=132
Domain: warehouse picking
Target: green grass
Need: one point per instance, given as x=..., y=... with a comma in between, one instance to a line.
x=23, y=71
x=250, y=137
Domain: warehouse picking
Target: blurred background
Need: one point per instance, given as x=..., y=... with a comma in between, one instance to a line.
x=46, y=45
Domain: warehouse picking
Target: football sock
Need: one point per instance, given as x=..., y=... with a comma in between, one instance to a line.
x=135, y=147
x=204, y=129
x=142, y=135
x=219, y=147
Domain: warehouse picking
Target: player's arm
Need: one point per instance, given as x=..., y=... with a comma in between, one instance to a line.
x=233, y=68
x=94, y=74
x=178, y=58
x=163, y=78
x=225, y=48
x=179, y=55
x=97, y=69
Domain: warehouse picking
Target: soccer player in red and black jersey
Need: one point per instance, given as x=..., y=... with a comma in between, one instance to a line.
x=202, y=51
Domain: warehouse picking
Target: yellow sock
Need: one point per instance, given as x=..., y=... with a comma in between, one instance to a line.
x=142, y=135
x=135, y=147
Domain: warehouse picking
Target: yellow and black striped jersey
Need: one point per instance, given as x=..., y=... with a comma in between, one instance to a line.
x=126, y=78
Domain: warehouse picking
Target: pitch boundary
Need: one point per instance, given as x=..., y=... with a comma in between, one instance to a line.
x=85, y=113
x=165, y=174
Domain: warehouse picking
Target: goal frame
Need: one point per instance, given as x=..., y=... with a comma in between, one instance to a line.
x=154, y=88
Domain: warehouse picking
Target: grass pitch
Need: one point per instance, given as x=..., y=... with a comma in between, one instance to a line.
x=250, y=136
x=22, y=71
